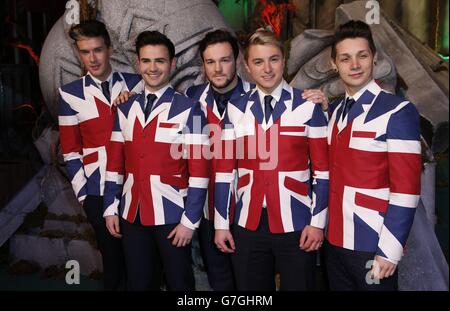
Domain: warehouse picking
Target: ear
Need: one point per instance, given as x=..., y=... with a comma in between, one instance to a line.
x=375, y=58
x=110, y=50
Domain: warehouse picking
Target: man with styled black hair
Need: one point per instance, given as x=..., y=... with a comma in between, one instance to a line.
x=156, y=179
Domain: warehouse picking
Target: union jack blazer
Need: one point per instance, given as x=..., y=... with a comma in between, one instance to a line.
x=375, y=167
x=156, y=169
x=86, y=119
x=204, y=94
x=296, y=138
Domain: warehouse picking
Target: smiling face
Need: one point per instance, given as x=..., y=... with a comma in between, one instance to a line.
x=94, y=54
x=265, y=63
x=219, y=64
x=354, y=61
x=155, y=66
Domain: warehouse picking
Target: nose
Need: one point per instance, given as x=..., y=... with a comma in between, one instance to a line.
x=218, y=67
x=267, y=67
x=355, y=63
x=92, y=57
x=152, y=66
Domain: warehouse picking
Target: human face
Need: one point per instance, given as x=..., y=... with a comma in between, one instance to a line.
x=265, y=63
x=354, y=62
x=219, y=64
x=94, y=54
x=155, y=66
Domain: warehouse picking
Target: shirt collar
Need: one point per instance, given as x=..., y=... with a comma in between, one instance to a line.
x=99, y=82
x=358, y=94
x=159, y=92
x=276, y=93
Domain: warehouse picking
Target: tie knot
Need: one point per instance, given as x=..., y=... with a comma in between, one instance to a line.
x=268, y=107
x=148, y=107
x=347, y=106
x=105, y=89
x=268, y=100
x=350, y=102
x=150, y=98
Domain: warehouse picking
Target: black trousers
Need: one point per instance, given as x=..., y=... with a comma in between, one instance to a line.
x=348, y=270
x=218, y=265
x=114, y=274
x=148, y=252
x=260, y=254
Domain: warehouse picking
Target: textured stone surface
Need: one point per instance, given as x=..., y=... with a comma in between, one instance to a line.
x=183, y=21
x=423, y=268
x=48, y=252
x=24, y=202
x=88, y=257
x=65, y=204
x=43, y=251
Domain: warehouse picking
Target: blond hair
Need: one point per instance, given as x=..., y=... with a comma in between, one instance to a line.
x=263, y=36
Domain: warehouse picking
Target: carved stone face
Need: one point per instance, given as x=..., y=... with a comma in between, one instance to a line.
x=183, y=21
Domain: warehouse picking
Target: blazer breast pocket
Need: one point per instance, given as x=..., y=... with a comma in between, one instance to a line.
x=367, y=141
x=169, y=132
x=293, y=130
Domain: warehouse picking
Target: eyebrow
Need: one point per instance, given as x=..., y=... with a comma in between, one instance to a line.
x=271, y=56
x=155, y=59
x=212, y=59
x=359, y=52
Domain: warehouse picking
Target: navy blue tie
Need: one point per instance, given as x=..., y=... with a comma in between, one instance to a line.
x=105, y=90
x=347, y=106
x=148, y=107
x=268, y=107
x=221, y=103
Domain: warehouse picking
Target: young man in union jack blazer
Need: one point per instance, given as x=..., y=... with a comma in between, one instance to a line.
x=86, y=116
x=277, y=138
x=375, y=167
x=219, y=51
x=157, y=176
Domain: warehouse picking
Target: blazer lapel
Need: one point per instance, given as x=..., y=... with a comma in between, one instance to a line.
x=117, y=86
x=161, y=104
x=357, y=109
x=208, y=98
x=280, y=106
x=141, y=116
x=256, y=108
x=91, y=88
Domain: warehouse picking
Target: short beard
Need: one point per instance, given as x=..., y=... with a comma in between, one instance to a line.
x=227, y=82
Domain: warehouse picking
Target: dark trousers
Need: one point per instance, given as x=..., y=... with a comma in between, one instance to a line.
x=148, y=251
x=217, y=264
x=259, y=254
x=348, y=270
x=114, y=275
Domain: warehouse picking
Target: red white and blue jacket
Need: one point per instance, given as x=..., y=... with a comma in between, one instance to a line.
x=204, y=94
x=274, y=163
x=375, y=167
x=156, y=169
x=86, y=119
